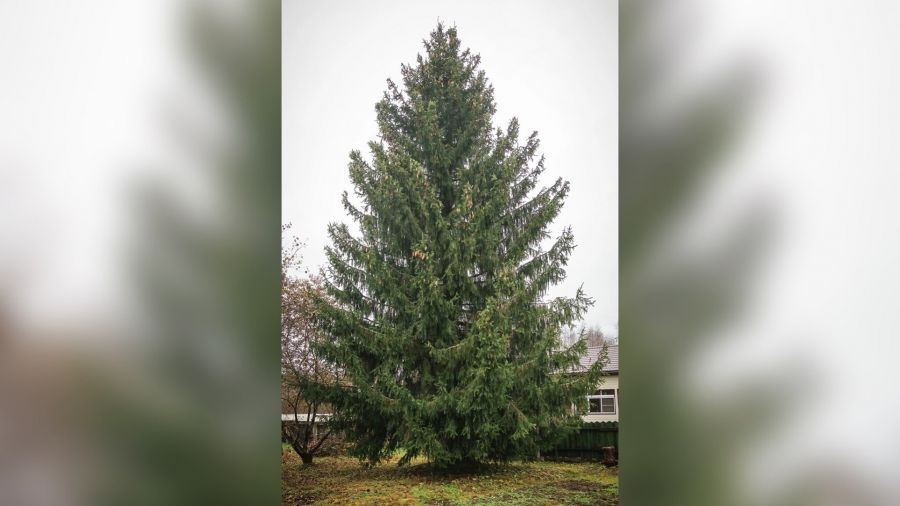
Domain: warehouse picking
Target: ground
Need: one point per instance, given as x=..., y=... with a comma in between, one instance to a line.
x=341, y=480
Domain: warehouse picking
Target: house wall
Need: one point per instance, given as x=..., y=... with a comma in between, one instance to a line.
x=608, y=382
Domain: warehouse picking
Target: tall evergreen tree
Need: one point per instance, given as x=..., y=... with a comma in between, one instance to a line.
x=439, y=314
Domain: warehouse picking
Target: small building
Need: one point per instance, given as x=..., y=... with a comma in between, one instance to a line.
x=304, y=418
x=603, y=404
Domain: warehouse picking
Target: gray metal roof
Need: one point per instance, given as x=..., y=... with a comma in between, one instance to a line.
x=593, y=353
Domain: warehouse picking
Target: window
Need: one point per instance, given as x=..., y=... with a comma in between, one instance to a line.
x=602, y=402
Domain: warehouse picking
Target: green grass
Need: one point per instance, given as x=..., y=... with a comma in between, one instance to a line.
x=341, y=480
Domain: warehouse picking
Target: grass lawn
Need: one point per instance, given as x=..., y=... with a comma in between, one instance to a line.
x=341, y=480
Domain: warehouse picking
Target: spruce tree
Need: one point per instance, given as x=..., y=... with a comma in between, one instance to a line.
x=438, y=306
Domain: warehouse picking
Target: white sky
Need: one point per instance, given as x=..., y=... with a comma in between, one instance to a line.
x=553, y=65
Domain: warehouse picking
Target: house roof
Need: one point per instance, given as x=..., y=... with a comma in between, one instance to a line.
x=593, y=353
x=302, y=418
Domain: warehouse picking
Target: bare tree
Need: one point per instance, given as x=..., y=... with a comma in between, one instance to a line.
x=594, y=335
x=304, y=376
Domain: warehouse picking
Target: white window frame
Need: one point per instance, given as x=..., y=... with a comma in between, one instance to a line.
x=604, y=396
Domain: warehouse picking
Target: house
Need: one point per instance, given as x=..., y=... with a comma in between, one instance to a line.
x=603, y=405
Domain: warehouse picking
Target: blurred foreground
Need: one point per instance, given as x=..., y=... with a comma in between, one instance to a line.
x=757, y=246
x=139, y=290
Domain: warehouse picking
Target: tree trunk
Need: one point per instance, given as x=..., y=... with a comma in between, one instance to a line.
x=610, y=457
x=307, y=458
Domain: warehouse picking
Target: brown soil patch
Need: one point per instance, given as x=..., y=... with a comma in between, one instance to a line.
x=581, y=486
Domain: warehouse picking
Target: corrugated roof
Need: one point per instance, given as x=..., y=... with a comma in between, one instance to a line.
x=593, y=353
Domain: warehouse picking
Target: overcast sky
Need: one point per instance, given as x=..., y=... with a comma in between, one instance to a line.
x=554, y=65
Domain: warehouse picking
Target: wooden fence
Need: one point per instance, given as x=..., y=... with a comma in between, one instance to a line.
x=588, y=441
